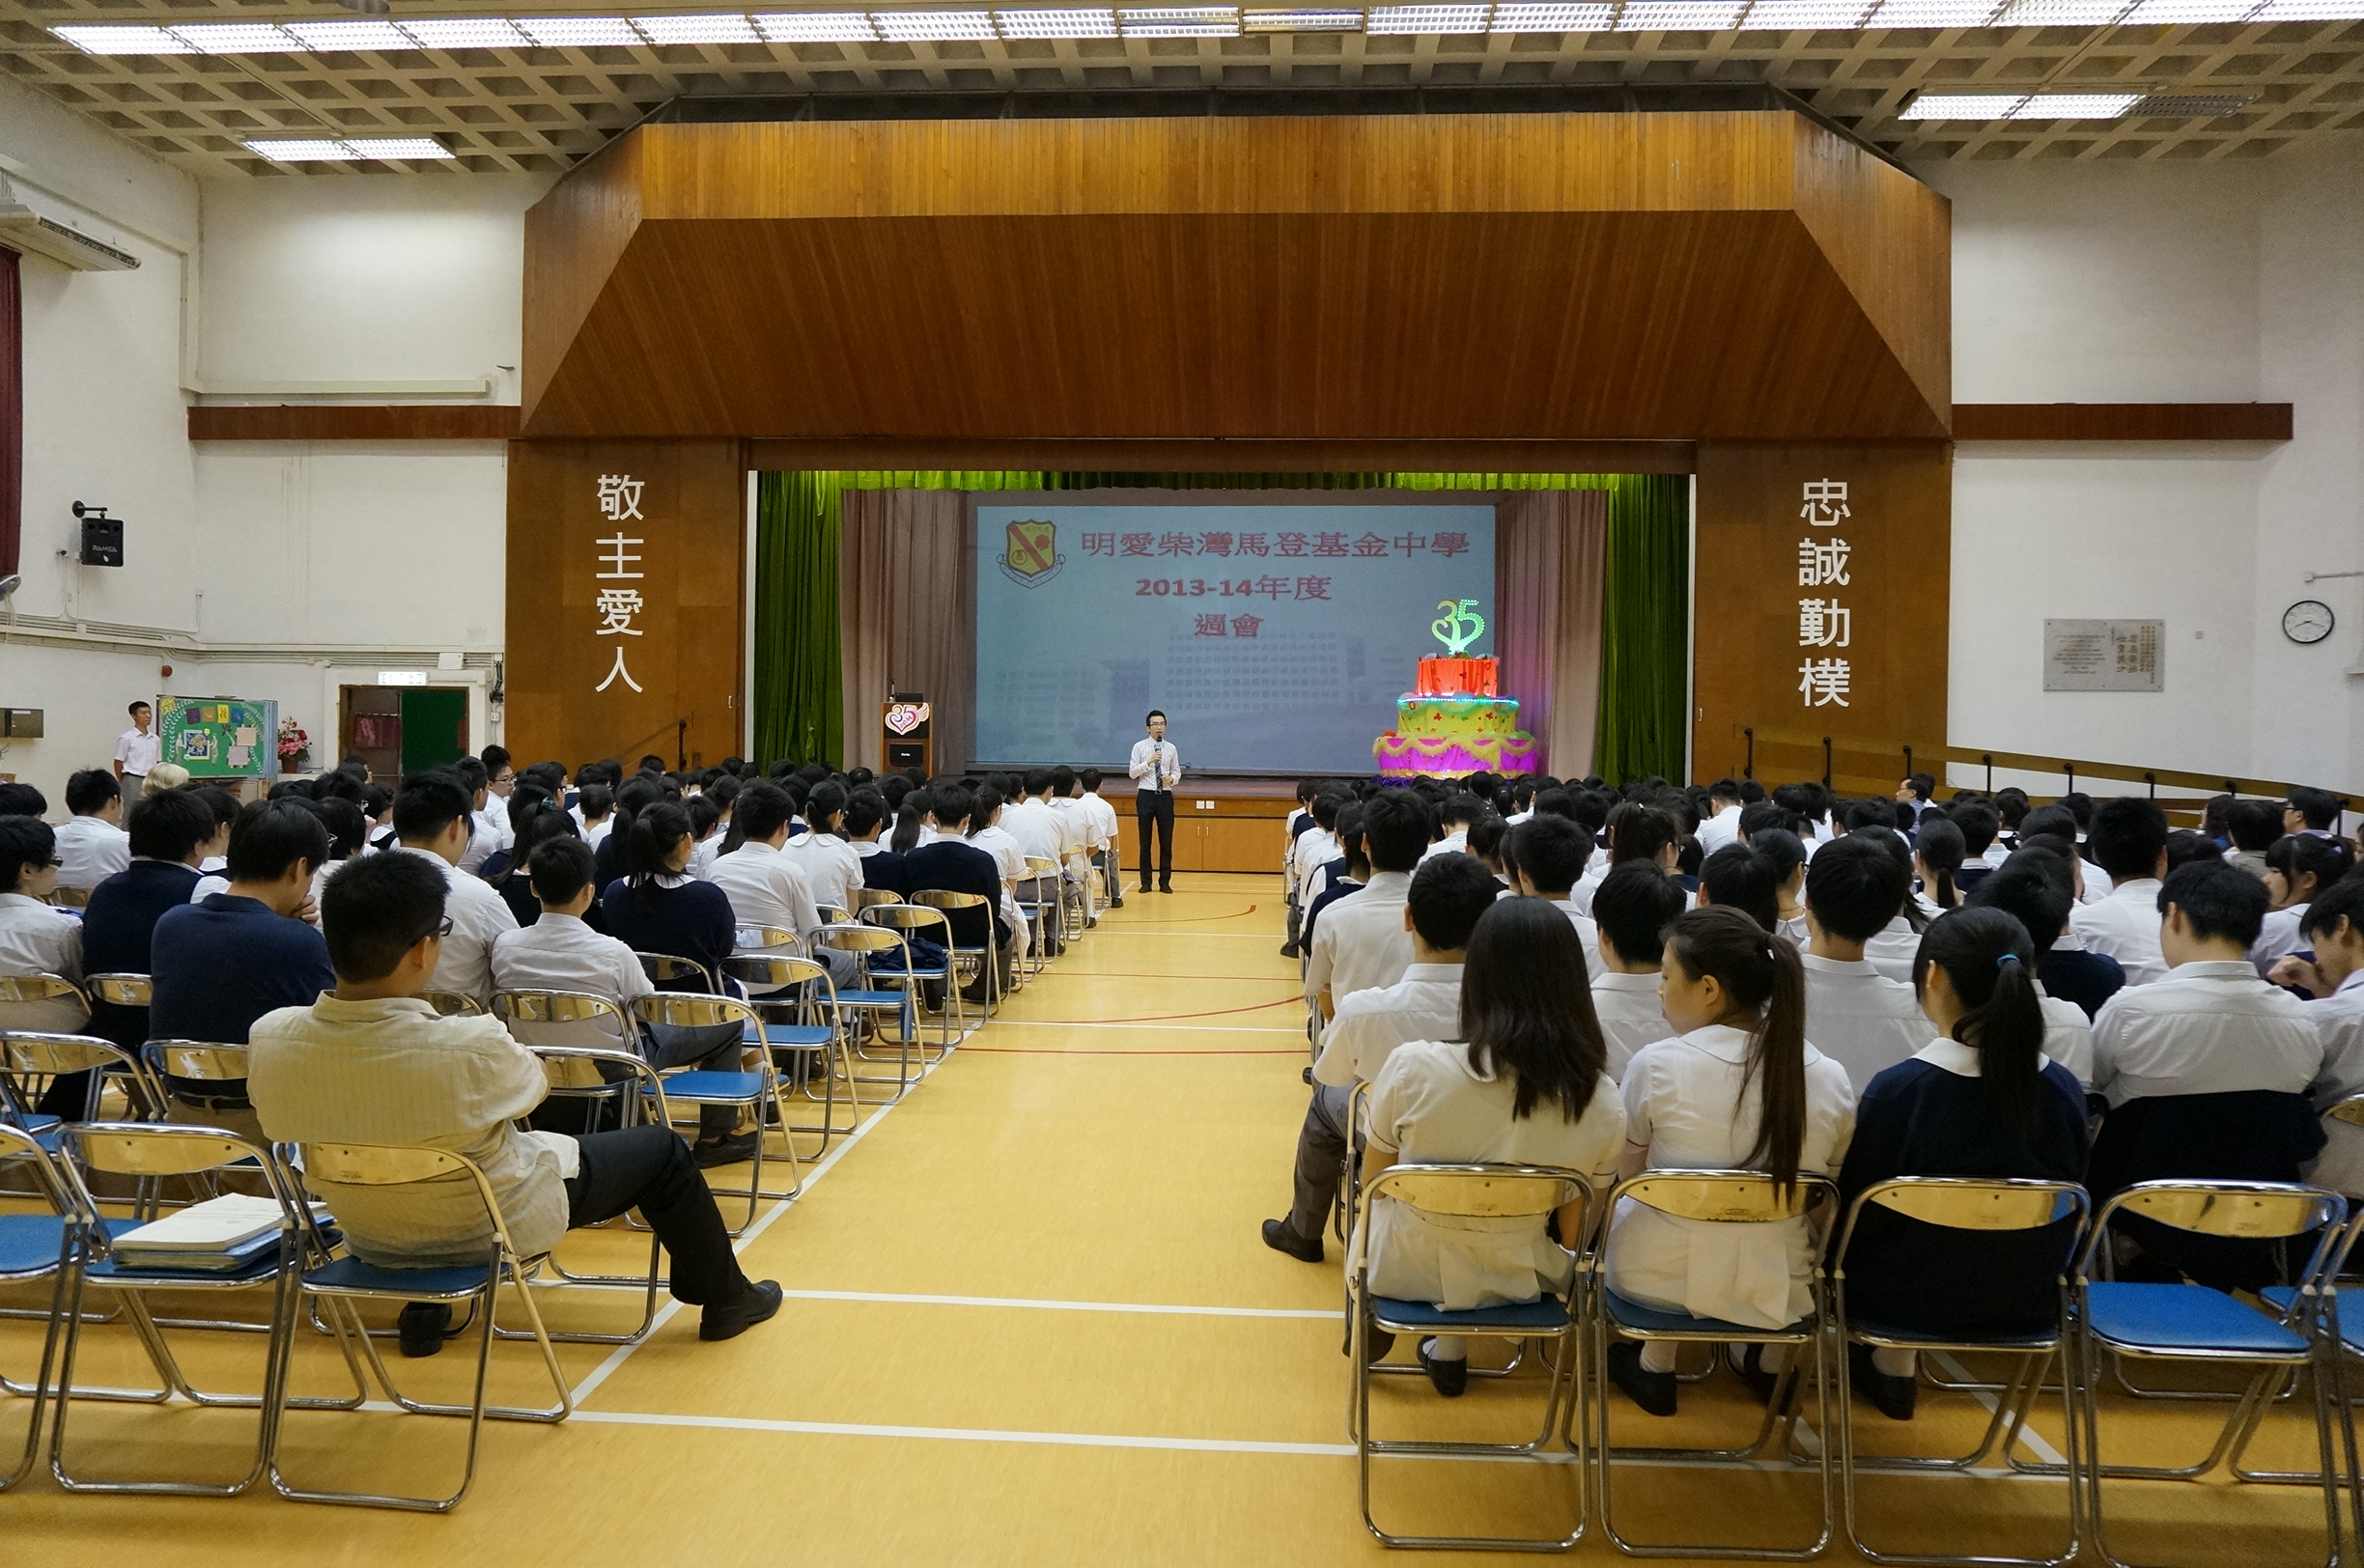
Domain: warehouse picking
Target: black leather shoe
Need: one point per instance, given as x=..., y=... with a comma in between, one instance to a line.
x=1761, y=1381
x=1893, y=1396
x=1381, y=1342
x=1164, y=887
x=1449, y=1379
x=1281, y=1239
x=1653, y=1391
x=726, y=1319
x=1145, y=888
x=729, y=1151
x=1288, y=950
x=421, y=1327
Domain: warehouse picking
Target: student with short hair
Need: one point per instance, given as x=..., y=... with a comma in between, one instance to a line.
x=92, y=845
x=2068, y=971
x=1442, y=905
x=1546, y=861
x=1983, y=847
x=1735, y=1088
x=2130, y=843
x=1739, y=877
x=167, y=832
x=372, y=1063
x=1100, y=816
x=2333, y=925
x=224, y=804
x=2253, y=826
x=1519, y=1081
x=558, y=951
x=2310, y=810
x=1454, y=817
x=1362, y=941
x=433, y=821
x=2038, y=897
x=1722, y=825
x=866, y=819
x=139, y=750
x=36, y=937
x=2297, y=868
x=1856, y=1016
x=1349, y=873
x=1632, y=907
x=951, y=864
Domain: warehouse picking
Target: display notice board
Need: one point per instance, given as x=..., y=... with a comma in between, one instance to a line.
x=220, y=736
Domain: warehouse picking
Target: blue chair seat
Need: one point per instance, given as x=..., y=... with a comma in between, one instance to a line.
x=1630, y=1315
x=1546, y=1316
x=2184, y=1318
x=2351, y=1328
x=708, y=1085
x=30, y=1243
x=2044, y=1340
x=881, y=998
x=788, y=1034
x=354, y=1278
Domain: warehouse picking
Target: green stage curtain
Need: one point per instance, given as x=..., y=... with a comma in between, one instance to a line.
x=797, y=696
x=1645, y=631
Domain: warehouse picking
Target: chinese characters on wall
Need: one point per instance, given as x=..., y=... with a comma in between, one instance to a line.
x=619, y=503
x=1824, y=621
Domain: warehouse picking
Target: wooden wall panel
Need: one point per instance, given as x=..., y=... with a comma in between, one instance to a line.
x=686, y=655
x=1230, y=457
x=2122, y=421
x=1899, y=532
x=353, y=422
x=573, y=238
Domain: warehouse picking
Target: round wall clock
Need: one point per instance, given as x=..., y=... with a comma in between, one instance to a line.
x=2309, y=621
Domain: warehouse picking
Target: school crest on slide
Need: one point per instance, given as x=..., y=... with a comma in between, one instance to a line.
x=1029, y=554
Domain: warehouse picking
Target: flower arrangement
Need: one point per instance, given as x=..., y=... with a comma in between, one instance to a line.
x=295, y=745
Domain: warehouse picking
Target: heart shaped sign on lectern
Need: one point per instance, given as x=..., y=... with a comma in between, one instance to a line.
x=906, y=716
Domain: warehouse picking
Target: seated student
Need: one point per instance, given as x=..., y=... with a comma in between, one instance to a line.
x=2184, y=846
x=1633, y=905
x=1722, y=827
x=2032, y=888
x=1938, y=851
x=433, y=820
x=954, y=865
x=1856, y=1016
x=1454, y=818
x=1316, y=848
x=534, y=819
x=2297, y=868
x=2253, y=826
x=2130, y=843
x=224, y=805
x=1447, y=896
x=371, y=1063
x=220, y=964
x=1319, y=885
x=1983, y=849
x=867, y=817
x=1787, y=854
x=92, y=845
x=2333, y=925
x=2311, y=811
x=1739, y=877
x=986, y=832
x=831, y=869
x=167, y=832
x=1893, y=948
x=1983, y=1100
x=347, y=831
x=1099, y=819
x=1736, y=1087
x=764, y=885
x=34, y=937
x=557, y=951
x=1349, y=873
x=1485, y=845
x=2068, y=970
x=1361, y=940
x=1518, y=1083
x=1547, y=859
x=595, y=812
x=483, y=842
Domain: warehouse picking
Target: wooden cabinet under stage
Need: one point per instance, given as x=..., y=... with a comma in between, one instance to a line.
x=1213, y=833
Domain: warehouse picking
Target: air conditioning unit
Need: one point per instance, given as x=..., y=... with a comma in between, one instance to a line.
x=25, y=231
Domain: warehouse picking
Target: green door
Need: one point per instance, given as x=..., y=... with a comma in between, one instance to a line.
x=433, y=726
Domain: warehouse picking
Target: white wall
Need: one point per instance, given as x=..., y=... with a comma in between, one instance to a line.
x=2163, y=283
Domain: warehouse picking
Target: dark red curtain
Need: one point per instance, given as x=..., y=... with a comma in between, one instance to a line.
x=12, y=413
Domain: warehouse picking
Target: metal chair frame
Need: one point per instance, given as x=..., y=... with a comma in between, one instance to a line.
x=121, y=989
x=661, y=968
x=1494, y=1191
x=2349, y=1343
x=152, y=1150
x=987, y=959
x=892, y=992
x=30, y=1060
x=928, y=914
x=870, y=898
x=2254, y=1210
x=18, y=1147
x=1986, y=1206
x=1724, y=1197
x=453, y=1003
x=379, y=1164
x=1037, y=911
x=781, y=974
x=684, y=1009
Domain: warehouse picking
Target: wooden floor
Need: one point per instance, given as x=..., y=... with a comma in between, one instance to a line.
x=1031, y=1322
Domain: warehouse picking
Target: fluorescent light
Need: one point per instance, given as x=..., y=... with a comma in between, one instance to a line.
x=1553, y=18
x=2077, y=106
x=358, y=148
x=1181, y=21
x=464, y=32
x=2172, y=12
x=729, y=28
x=2193, y=105
x=2310, y=11
x=921, y=26
x=1059, y=23
x=237, y=38
x=1801, y=16
x=1963, y=106
x=2060, y=12
x=1427, y=20
x=816, y=27
x=1294, y=22
x=1678, y=16
x=123, y=40
x=372, y=35
x=578, y=32
x=1938, y=14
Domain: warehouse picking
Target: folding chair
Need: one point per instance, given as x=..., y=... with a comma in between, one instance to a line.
x=1038, y=903
x=752, y=1090
x=1735, y=1197
x=348, y=1280
x=172, y=1064
x=121, y=989
x=453, y=1003
x=29, y=1063
x=832, y=914
x=801, y=990
x=151, y=1152
x=1463, y=1193
x=870, y=898
x=2194, y=1323
x=934, y=921
x=35, y=1247
x=1982, y=1207
x=42, y=1004
x=664, y=968
x=1075, y=893
x=894, y=993
x=603, y=1076
x=987, y=957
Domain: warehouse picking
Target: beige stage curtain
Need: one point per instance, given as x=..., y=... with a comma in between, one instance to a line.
x=1550, y=548
x=906, y=606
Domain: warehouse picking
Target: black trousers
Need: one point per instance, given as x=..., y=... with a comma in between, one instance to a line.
x=1156, y=806
x=649, y=1168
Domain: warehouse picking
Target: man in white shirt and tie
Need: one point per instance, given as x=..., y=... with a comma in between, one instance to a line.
x=1156, y=768
x=138, y=748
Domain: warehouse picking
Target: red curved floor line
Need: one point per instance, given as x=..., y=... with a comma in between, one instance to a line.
x=1164, y=1018
x=1196, y=918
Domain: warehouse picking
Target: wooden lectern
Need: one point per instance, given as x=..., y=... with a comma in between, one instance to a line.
x=905, y=720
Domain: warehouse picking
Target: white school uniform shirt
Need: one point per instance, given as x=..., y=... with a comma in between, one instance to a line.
x=36, y=938
x=596, y=833
x=766, y=889
x=1793, y=928
x=1432, y=1107
x=1627, y=1007
x=1316, y=848
x=1893, y=949
x=831, y=869
x=493, y=819
x=89, y=850
x=2067, y=1035
x=212, y=880
x=478, y=916
x=1587, y=935
x=559, y=952
x=1517, y=817
x=1155, y=766
x=1720, y=832
x=1101, y=818
x=1361, y=941
x=1455, y=842
x=2277, y=936
x=1074, y=829
x=1595, y=872
x=1029, y=821
x=2339, y=1023
x=138, y=753
x=2097, y=885
x=1425, y=1004
x=1684, y=1103
x=1995, y=854
x=1861, y=1019
x=2211, y=1027
x=2126, y=926
x=481, y=846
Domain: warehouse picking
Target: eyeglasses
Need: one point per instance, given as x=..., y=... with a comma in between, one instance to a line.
x=441, y=929
x=504, y=778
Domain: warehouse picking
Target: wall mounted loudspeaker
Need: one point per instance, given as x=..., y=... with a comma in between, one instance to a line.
x=103, y=536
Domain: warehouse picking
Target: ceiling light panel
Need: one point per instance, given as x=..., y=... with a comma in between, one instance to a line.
x=301, y=151
x=1803, y=16
x=1963, y=106
x=373, y=35
x=1938, y=14
x=464, y=32
x=816, y=27
x=2060, y=12
x=2171, y=13
x=352, y=150
x=239, y=38
x=1293, y=21
x=2192, y=106
x=1056, y=23
x=930, y=26
x=1540, y=18
x=1184, y=21
x=2310, y=11
x=405, y=148
x=728, y=28
x=123, y=40
x=2077, y=106
x=1679, y=16
x=578, y=32
x=1428, y=18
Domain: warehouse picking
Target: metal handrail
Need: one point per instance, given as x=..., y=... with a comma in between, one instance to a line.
x=2071, y=768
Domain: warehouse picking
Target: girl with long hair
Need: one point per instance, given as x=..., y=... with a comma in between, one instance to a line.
x=1522, y=1085
x=1938, y=850
x=1737, y=1087
x=2298, y=867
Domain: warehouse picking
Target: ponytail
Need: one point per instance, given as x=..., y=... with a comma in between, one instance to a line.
x=1986, y=954
x=909, y=817
x=1941, y=848
x=648, y=843
x=1763, y=976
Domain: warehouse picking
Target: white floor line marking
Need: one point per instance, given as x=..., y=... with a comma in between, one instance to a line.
x=894, y=1299
x=2026, y=1434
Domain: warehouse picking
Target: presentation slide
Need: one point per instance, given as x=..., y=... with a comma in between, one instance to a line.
x=1276, y=637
